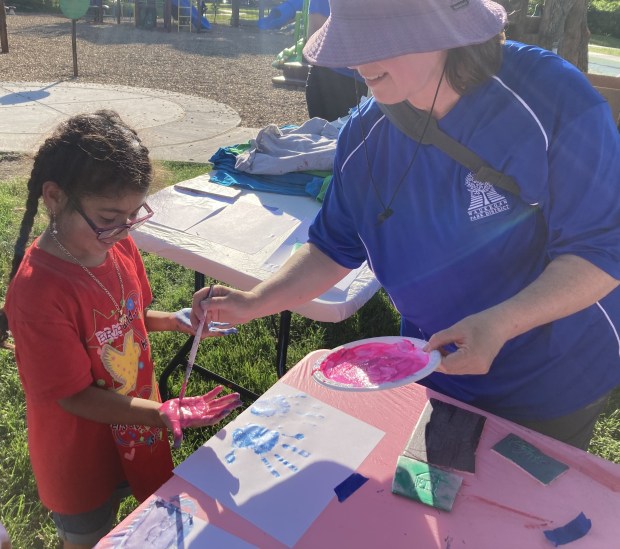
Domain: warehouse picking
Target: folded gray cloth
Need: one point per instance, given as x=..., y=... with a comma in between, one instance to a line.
x=275, y=151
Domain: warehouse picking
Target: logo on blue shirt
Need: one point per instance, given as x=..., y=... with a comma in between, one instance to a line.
x=485, y=200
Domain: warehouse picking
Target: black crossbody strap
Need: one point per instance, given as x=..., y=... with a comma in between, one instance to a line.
x=412, y=122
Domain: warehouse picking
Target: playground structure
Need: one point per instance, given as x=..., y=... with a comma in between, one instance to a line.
x=291, y=60
x=183, y=14
x=188, y=15
x=281, y=14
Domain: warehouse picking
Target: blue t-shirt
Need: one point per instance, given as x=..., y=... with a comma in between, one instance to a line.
x=456, y=246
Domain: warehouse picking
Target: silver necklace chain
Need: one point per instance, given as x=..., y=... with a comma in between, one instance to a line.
x=89, y=272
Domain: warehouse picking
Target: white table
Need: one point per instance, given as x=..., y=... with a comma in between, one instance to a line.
x=224, y=261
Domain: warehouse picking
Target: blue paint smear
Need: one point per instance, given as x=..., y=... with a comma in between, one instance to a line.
x=270, y=407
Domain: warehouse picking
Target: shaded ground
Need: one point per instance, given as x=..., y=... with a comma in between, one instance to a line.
x=14, y=165
x=226, y=64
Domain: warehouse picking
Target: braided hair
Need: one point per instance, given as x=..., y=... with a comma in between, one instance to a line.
x=87, y=155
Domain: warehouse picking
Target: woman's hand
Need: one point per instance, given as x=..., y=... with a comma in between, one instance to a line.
x=214, y=329
x=225, y=305
x=478, y=339
x=567, y=285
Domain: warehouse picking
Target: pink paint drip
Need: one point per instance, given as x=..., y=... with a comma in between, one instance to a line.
x=373, y=364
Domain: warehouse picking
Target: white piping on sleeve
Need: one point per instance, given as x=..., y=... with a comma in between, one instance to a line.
x=361, y=143
x=527, y=107
x=611, y=324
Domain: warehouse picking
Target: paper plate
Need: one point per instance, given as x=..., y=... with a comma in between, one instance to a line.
x=375, y=364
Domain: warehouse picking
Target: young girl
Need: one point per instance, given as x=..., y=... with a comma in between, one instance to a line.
x=76, y=308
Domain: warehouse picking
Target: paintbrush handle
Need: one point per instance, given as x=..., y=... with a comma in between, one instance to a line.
x=192, y=357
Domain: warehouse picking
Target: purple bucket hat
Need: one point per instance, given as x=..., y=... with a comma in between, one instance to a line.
x=364, y=31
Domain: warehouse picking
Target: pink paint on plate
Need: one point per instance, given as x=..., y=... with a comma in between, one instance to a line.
x=376, y=363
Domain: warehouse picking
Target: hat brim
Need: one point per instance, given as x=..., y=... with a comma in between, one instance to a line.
x=348, y=41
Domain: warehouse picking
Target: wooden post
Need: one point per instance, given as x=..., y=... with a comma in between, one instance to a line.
x=118, y=12
x=74, y=46
x=4, y=34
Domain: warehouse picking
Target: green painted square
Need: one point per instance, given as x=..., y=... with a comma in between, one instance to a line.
x=424, y=483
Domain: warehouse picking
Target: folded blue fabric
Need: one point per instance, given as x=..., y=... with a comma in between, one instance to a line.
x=297, y=183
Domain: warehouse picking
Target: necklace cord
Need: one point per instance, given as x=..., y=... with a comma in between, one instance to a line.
x=387, y=209
x=117, y=307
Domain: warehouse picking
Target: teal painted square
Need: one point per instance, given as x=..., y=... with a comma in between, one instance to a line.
x=424, y=483
x=530, y=459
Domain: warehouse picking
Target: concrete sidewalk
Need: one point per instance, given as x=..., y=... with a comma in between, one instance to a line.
x=173, y=126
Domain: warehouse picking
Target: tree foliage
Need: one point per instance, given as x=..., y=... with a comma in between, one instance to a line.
x=604, y=17
x=561, y=27
x=34, y=6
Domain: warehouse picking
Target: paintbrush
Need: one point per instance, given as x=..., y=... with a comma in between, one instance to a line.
x=192, y=353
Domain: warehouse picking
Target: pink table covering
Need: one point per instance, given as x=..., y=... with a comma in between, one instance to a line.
x=498, y=506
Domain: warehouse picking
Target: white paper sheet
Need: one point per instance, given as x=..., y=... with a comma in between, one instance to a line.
x=181, y=210
x=298, y=237
x=287, y=248
x=171, y=524
x=278, y=463
x=202, y=185
x=204, y=535
x=263, y=223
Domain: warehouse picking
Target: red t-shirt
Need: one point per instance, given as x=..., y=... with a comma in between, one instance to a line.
x=68, y=337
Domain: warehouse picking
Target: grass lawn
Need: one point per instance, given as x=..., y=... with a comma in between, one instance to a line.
x=605, y=44
x=248, y=358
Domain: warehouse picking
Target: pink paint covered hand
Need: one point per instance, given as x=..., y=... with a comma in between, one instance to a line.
x=198, y=411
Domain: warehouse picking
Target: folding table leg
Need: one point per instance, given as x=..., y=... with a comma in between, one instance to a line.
x=179, y=359
x=284, y=332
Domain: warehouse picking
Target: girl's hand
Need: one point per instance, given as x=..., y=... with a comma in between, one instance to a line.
x=214, y=329
x=200, y=411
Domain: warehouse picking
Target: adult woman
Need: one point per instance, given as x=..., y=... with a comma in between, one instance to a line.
x=522, y=287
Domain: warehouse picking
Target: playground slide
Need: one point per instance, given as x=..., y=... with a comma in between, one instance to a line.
x=280, y=15
x=197, y=19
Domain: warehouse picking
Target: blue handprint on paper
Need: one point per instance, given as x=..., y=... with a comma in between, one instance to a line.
x=261, y=441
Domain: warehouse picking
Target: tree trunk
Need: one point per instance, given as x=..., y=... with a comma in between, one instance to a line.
x=234, y=19
x=562, y=27
x=517, y=14
x=552, y=23
x=574, y=44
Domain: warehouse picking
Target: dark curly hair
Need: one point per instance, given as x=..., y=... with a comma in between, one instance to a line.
x=88, y=155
